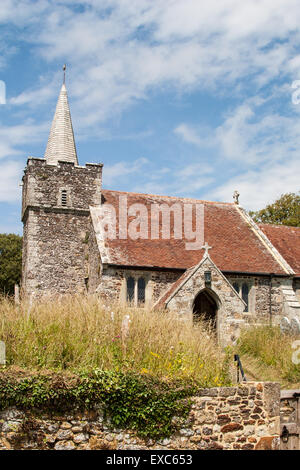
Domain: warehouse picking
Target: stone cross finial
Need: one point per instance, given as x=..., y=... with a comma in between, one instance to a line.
x=206, y=247
x=236, y=196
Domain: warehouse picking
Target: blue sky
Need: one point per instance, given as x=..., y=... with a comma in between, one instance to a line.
x=175, y=97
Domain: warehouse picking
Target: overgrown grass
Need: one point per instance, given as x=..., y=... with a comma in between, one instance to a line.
x=78, y=333
x=268, y=355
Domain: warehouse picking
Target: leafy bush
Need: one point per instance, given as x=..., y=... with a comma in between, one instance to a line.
x=129, y=401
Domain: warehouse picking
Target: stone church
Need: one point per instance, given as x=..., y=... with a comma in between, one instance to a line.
x=241, y=273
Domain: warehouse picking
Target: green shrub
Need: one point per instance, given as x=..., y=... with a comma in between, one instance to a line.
x=129, y=401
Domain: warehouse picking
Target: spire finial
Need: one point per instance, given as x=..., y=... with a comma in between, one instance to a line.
x=64, y=69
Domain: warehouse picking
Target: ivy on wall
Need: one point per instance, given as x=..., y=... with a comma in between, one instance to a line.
x=129, y=401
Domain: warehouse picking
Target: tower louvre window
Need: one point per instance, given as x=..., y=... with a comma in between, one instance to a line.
x=64, y=197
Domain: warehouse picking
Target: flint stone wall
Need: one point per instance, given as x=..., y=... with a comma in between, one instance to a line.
x=113, y=283
x=230, y=314
x=55, y=258
x=244, y=417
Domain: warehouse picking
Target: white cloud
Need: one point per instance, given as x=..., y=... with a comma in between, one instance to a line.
x=18, y=11
x=260, y=187
x=188, y=134
x=120, y=49
x=12, y=137
x=260, y=150
x=187, y=179
x=10, y=176
x=119, y=172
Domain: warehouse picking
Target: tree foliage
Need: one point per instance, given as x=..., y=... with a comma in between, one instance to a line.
x=10, y=261
x=284, y=211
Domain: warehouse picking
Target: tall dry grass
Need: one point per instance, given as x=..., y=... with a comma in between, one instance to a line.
x=80, y=333
x=269, y=354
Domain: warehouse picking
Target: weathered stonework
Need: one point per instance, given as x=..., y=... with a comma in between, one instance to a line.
x=230, y=313
x=228, y=418
x=54, y=248
x=113, y=283
x=265, y=297
x=265, y=300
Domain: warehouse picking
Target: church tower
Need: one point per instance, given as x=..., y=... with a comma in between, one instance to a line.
x=57, y=194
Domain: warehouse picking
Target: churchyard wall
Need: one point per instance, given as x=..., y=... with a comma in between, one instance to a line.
x=244, y=417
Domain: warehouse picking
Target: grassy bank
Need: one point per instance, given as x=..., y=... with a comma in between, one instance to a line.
x=267, y=354
x=79, y=334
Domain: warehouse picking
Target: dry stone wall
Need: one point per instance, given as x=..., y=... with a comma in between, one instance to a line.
x=244, y=417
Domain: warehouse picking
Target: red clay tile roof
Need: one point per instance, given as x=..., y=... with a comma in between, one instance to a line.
x=287, y=241
x=235, y=247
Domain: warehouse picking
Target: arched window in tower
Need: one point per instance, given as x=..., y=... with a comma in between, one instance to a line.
x=130, y=289
x=245, y=295
x=141, y=290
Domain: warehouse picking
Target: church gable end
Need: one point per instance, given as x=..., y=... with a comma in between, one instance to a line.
x=206, y=277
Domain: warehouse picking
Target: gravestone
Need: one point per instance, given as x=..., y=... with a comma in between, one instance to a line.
x=2, y=353
x=285, y=325
x=295, y=326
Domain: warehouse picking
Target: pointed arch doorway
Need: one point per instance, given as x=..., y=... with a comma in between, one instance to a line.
x=205, y=308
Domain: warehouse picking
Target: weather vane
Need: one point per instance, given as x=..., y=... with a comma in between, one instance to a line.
x=64, y=69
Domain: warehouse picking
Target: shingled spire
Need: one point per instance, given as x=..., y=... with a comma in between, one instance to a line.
x=61, y=144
